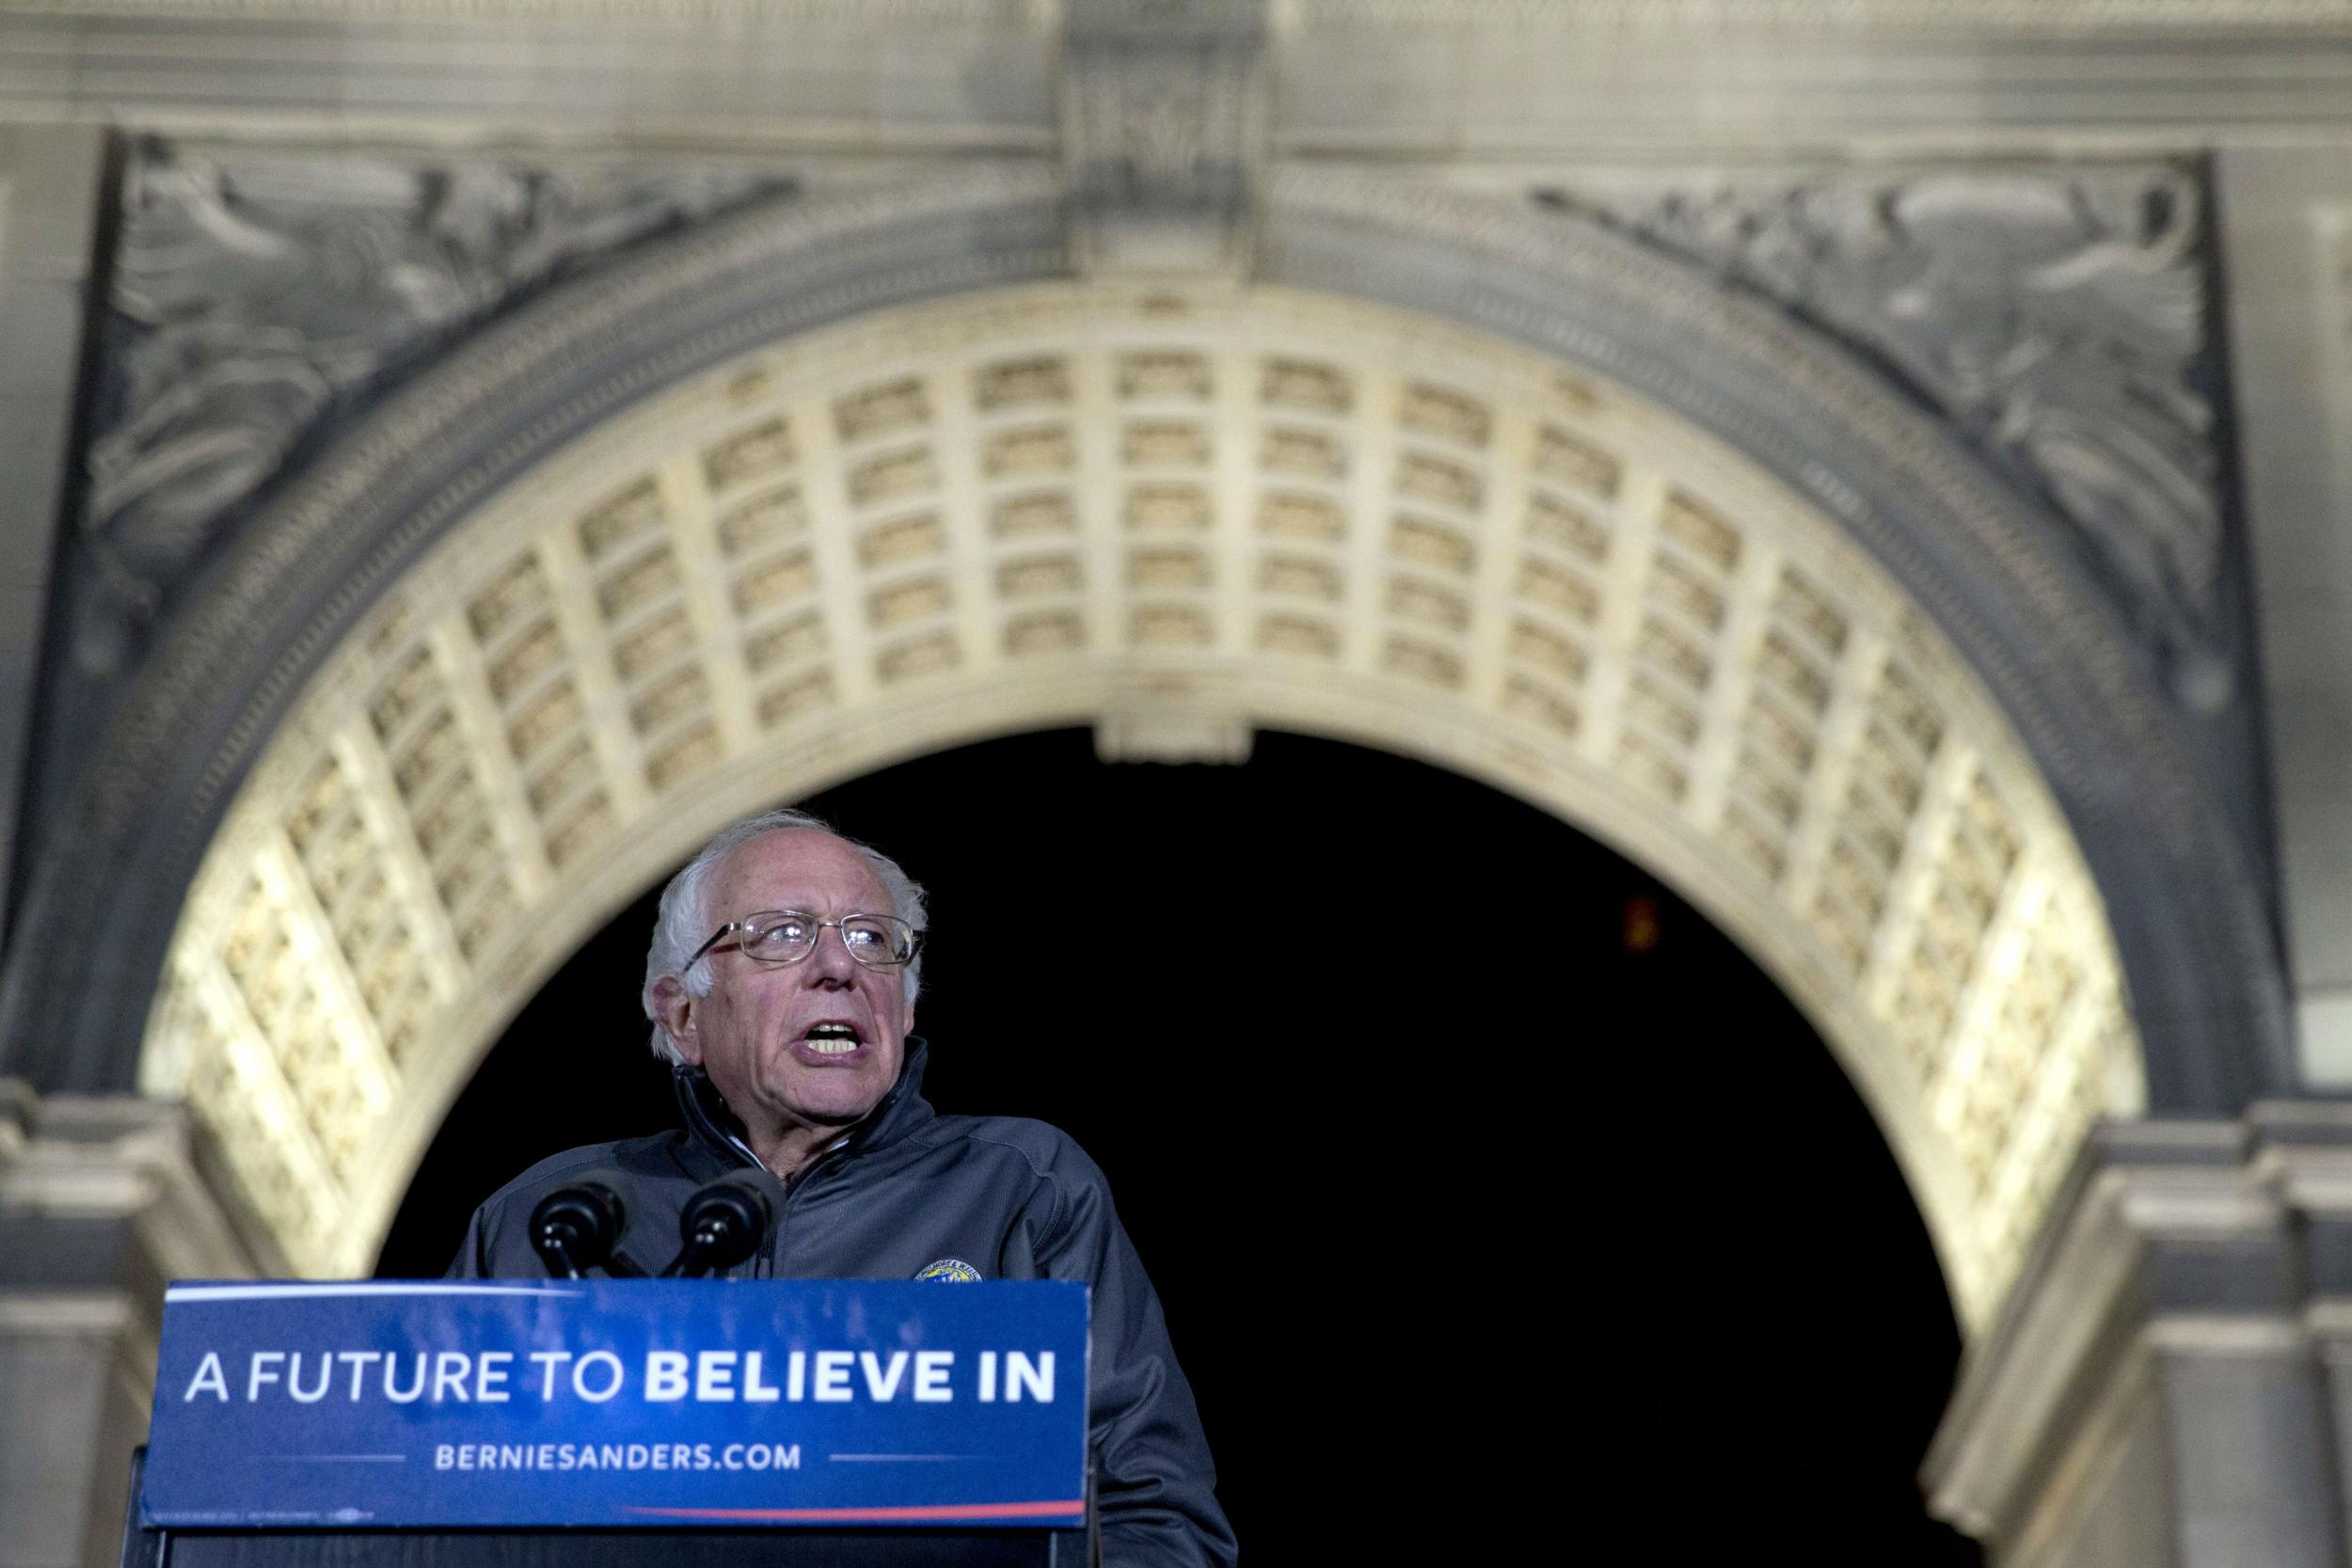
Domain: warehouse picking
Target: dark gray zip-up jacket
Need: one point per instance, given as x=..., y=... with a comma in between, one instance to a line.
x=906, y=1188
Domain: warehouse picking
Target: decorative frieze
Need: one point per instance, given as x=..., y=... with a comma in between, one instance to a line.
x=256, y=296
x=2056, y=316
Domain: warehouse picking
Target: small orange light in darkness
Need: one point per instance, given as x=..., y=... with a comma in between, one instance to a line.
x=1640, y=923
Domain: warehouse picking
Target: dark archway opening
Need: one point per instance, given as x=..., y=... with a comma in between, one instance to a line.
x=1595, y=1235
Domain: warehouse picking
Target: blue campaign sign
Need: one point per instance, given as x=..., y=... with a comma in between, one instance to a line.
x=620, y=1403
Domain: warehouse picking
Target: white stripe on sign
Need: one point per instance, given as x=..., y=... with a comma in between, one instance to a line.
x=281, y=1292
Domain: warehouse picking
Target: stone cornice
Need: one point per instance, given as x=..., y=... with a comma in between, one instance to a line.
x=1471, y=83
x=113, y=1159
x=1685, y=17
x=2182, y=1238
x=1019, y=14
x=1674, y=18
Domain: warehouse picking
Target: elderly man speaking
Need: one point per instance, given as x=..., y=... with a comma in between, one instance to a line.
x=782, y=982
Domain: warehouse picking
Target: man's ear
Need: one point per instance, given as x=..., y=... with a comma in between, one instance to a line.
x=675, y=1007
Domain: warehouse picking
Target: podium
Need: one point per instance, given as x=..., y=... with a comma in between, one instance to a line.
x=158, y=1547
x=656, y=1424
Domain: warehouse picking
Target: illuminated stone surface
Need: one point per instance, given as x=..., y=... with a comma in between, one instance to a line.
x=1061, y=504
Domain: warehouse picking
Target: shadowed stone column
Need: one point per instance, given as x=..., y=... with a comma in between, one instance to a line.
x=101, y=1203
x=49, y=182
x=2287, y=240
x=2170, y=1379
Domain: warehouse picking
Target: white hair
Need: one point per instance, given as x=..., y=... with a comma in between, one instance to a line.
x=685, y=922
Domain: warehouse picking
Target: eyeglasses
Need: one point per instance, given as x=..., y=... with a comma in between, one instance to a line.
x=779, y=937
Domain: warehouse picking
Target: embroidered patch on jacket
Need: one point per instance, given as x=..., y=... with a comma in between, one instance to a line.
x=948, y=1270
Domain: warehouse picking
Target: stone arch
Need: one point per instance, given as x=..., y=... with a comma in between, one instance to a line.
x=720, y=529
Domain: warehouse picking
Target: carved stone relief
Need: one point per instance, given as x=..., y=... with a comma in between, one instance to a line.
x=254, y=294
x=2052, y=317
x=1163, y=128
x=1256, y=508
x=2056, y=315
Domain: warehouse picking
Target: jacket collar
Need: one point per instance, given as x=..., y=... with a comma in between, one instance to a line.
x=717, y=1131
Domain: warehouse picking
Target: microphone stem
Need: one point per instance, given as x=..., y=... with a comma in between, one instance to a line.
x=555, y=1249
x=692, y=1260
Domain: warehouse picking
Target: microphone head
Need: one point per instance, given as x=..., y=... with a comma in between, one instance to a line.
x=724, y=1221
x=578, y=1224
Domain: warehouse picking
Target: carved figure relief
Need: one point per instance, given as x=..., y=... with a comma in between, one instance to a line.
x=254, y=293
x=2057, y=316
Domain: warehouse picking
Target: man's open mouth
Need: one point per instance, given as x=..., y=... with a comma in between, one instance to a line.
x=832, y=1039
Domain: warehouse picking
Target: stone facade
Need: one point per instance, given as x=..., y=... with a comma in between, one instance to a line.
x=2166, y=1383
x=1679, y=301
x=101, y=1201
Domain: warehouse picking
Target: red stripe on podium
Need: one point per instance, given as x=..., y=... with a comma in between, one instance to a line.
x=947, y=1511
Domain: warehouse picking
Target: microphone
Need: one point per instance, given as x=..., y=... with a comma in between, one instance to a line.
x=574, y=1228
x=722, y=1225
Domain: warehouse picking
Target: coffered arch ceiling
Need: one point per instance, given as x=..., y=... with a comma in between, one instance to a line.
x=1047, y=505
x=682, y=578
